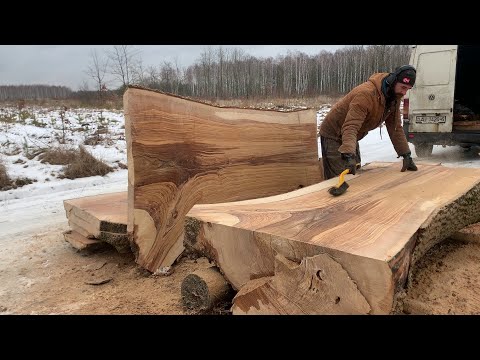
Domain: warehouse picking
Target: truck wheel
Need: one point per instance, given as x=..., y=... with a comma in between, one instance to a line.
x=424, y=149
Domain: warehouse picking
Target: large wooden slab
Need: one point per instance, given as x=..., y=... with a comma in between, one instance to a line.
x=374, y=232
x=182, y=152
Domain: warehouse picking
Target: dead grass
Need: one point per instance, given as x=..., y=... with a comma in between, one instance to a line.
x=114, y=103
x=85, y=165
x=58, y=156
x=5, y=180
x=7, y=183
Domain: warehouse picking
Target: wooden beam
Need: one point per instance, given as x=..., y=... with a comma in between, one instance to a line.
x=375, y=233
x=183, y=152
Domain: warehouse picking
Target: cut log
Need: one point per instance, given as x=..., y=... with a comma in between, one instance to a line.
x=105, y=212
x=203, y=289
x=319, y=285
x=182, y=152
x=469, y=233
x=375, y=232
x=80, y=242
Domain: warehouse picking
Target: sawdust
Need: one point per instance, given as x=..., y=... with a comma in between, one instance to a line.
x=43, y=274
x=446, y=280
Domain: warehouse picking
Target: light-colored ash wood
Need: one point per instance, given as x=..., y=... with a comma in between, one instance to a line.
x=375, y=231
x=120, y=242
x=105, y=212
x=79, y=229
x=80, y=242
x=318, y=285
x=182, y=152
x=204, y=288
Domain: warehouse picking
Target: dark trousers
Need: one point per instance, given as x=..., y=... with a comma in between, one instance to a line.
x=333, y=164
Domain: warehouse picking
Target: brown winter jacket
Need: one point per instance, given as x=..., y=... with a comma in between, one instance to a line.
x=362, y=110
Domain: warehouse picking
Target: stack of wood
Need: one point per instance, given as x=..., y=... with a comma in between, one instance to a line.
x=98, y=220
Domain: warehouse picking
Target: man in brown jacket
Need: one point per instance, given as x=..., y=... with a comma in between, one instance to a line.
x=363, y=109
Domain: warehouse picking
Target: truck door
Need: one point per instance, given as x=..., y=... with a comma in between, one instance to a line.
x=432, y=97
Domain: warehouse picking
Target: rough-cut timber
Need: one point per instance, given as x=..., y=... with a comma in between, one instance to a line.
x=203, y=289
x=318, y=285
x=182, y=152
x=348, y=254
x=80, y=242
x=102, y=217
x=105, y=212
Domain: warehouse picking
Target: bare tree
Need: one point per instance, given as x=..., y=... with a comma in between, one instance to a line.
x=122, y=60
x=97, y=69
x=231, y=73
x=138, y=73
x=84, y=86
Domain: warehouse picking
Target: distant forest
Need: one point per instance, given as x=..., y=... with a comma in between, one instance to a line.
x=227, y=74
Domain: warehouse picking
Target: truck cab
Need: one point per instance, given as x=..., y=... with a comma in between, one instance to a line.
x=443, y=107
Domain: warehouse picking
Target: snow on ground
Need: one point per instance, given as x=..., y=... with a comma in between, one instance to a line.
x=41, y=203
x=23, y=133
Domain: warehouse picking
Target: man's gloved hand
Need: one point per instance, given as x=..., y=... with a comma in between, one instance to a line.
x=350, y=162
x=408, y=163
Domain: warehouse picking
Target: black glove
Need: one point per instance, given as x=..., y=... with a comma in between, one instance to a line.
x=350, y=162
x=408, y=163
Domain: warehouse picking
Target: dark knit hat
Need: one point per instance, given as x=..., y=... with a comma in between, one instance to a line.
x=407, y=77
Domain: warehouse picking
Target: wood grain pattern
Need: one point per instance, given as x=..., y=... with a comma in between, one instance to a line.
x=376, y=231
x=80, y=242
x=105, y=212
x=182, y=152
x=318, y=285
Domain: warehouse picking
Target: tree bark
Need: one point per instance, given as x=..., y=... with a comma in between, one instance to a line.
x=469, y=233
x=182, y=152
x=370, y=238
x=204, y=288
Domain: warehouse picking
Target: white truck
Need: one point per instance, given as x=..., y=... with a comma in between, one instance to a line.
x=443, y=108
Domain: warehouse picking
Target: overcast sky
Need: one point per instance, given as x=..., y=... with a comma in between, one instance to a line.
x=66, y=64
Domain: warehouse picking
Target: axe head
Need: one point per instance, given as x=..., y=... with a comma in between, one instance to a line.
x=339, y=189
